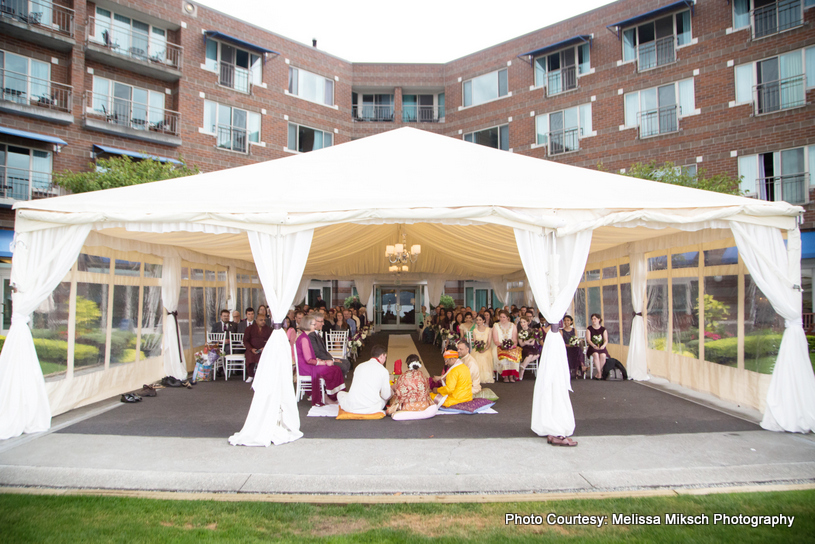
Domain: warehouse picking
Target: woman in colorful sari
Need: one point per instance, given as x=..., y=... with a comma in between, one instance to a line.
x=410, y=391
x=309, y=365
x=506, y=353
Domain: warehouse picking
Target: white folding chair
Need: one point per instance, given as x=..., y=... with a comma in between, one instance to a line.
x=236, y=360
x=304, y=382
x=469, y=337
x=220, y=339
x=337, y=344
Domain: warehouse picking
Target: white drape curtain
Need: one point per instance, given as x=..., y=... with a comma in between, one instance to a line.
x=499, y=285
x=273, y=416
x=232, y=289
x=41, y=260
x=554, y=267
x=365, y=290
x=302, y=291
x=435, y=288
x=636, y=363
x=776, y=270
x=174, y=363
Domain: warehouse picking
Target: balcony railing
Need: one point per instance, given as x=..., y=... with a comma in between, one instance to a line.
x=792, y=188
x=413, y=113
x=779, y=95
x=659, y=121
x=382, y=114
x=560, y=81
x=233, y=138
x=658, y=53
x=20, y=184
x=31, y=91
x=136, y=45
x=40, y=13
x=777, y=17
x=563, y=141
x=129, y=114
x=234, y=77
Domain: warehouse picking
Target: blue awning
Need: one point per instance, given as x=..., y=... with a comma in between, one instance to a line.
x=32, y=136
x=808, y=245
x=116, y=151
x=6, y=236
x=616, y=27
x=237, y=41
x=585, y=38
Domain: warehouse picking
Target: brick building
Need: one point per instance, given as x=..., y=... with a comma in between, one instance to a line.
x=724, y=85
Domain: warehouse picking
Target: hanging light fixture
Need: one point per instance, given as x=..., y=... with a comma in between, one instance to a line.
x=400, y=257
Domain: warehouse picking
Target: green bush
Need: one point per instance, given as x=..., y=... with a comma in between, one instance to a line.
x=119, y=341
x=56, y=351
x=756, y=346
x=45, y=333
x=2, y=342
x=447, y=301
x=811, y=342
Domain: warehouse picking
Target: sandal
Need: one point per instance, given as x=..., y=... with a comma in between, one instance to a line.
x=561, y=441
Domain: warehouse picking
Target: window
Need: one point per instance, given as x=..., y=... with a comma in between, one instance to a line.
x=304, y=139
x=123, y=104
x=777, y=83
x=24, y=80
x=422, y=108
x=767, y=17
x=132, y=37
x=484, y=88
x=372, y=107
x=657, y=110
x=558, y=71
x=781, y=175
x=654, y=43
x=496, y=137
x=312, y=87
x=562, y=130
x=236, y=68
x=232, y=127
x=24, y=173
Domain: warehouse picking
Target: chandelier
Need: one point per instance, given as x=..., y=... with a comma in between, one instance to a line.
x=400, y=257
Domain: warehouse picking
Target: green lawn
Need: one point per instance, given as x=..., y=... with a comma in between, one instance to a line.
x=50, y=368
x=71, y=519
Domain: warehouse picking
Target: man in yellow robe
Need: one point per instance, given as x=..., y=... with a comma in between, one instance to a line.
x=456, y=382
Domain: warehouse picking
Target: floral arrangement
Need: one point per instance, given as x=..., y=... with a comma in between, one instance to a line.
x=597, y=339
x=538, y=335
x=574, y=341
x=507, y=344
x=525, y=335
x=445, y=333
x=208, y=355
x=479, y=345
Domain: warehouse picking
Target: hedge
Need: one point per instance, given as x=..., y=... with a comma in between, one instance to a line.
x=56, y=351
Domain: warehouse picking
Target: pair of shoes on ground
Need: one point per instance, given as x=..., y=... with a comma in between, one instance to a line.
x=146, y=391
x=130, y=398
x=561, y=441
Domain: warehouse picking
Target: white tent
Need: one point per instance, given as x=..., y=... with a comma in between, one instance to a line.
x=477, y=212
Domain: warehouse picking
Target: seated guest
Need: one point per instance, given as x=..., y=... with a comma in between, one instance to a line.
x=330, y=320
x=410, y=391
x=224, y=325
x=236, y=317
x=371, y=387
x=248, y=322
x=362, y=314
x=254, y=340
x=352, y=325
x=318, y=344
x=293, y=331
x=355, y=317
x=470, y=362
x=311, y=365
x=457, y=384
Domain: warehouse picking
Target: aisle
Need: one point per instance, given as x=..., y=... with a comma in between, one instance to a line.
x=399, y=347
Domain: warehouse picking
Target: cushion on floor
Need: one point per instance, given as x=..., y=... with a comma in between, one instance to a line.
x=350, y=415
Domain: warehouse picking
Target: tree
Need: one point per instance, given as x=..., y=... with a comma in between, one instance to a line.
x=670, y=173
x=121, y=172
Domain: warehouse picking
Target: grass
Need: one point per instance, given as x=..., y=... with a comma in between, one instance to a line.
x=51, y=368
x=30, y=518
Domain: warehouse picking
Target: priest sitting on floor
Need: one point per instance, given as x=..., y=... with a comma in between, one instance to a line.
x=456, y=382
x=311, y=365
x=470, y=362
x=371, y=387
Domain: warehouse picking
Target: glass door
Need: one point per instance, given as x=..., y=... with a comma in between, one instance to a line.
x=396, y=307
x=388, y=307
x=407, y=307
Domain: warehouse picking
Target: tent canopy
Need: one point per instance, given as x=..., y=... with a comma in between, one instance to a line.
x=403, y=181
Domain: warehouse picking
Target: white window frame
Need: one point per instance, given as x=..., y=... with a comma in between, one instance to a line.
x=249, y=116
x=680, y=114
x=752, y=23
x=29, y=84
x=110, y=99
x=152, y=41
x=578, y=73
x=581, y=132
x=809, y=168
x=327, y=79
x=497, y=83
x=297, y=132
x=439, y=105
x=499, y=127
x=254, y=77
x=30, y=170
x=677, y=47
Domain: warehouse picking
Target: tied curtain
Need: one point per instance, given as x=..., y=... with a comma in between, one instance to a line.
x=553, y=266
x=638, y=346
x=435, y=289
x=273, y=418
x=776, y=271
x=499, y=285
x=174, y=364
x=41, y=260
x=302, y=291
x=365, y=289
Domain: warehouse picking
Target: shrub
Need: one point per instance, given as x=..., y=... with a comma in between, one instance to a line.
x=45, y=333
x=119, y=341
x=447, y=301
x=811, y=342
x=56, y=351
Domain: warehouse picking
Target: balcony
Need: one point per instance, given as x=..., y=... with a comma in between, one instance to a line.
x=133, y=51
x=232, y=138
x=657, y=53
x=19, y=184
x=782, y=94
x=659, y=121
x=560, y=81
x=378, y=114
x=112, y=115
x=792, y=188
x=563, y=141
x=413, y=113
x=777, y=17
x=233, y=77
x=38, y=21
x=34, y=97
